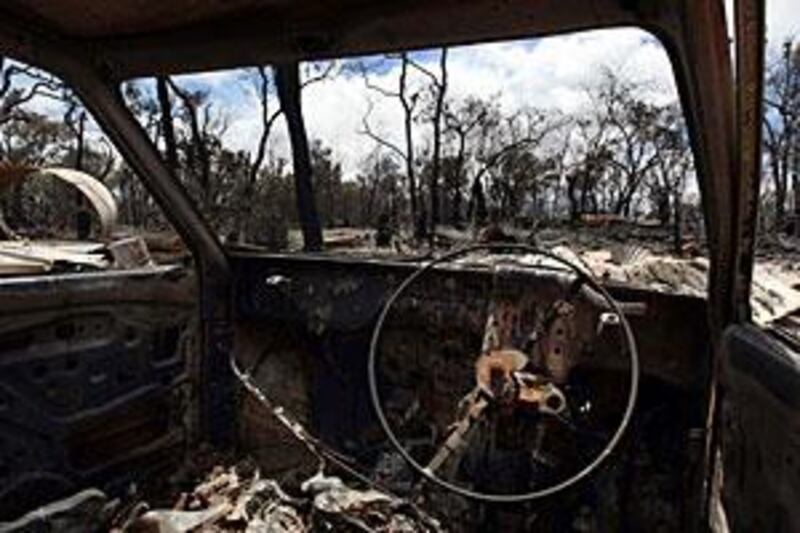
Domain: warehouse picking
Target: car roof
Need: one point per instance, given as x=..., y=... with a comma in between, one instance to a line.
x=145, y=37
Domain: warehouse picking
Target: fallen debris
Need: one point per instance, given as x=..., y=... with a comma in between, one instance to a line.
x=773, y=296
x=169, y=521
x=25, y=257
x=238, y=499
x=88, y=510
x=95, y=191
x=775, y=292
x=21, y=257
x=346, y=238
x=130, y=252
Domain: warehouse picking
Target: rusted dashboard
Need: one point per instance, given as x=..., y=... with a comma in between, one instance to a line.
x=335, y=296
x=303, y=327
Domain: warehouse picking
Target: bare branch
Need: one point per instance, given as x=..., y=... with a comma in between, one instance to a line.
x=109, y=157
x=424, y=70
x=267, y=121
x=319, y=77
x=362, y=69
x=384, y=92
x=383, y=142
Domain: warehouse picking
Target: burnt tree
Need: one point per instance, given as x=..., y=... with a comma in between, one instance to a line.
x=287, y=80
x=438, y=91
x=167, y=123
x=782, y=131
x=408, y=101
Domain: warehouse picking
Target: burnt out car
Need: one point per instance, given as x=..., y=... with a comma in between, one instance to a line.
x=498, y=394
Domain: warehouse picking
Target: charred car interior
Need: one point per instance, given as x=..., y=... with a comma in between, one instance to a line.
x=497, y=387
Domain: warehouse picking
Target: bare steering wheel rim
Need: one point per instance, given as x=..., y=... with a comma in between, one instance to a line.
x=546, y=492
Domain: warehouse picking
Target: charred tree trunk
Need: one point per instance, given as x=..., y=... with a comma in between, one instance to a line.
x=83, y=220
x=6, y=233
x=408, y=119
x=572, y=198
x=477, y=203
x=287, y=79
x=198, y=145
x=80, y=143
x=167, y=125
x=267, y=120
x=780, y=206
x=779, y=185
x=266, y=127
x=677, y=230
x=199, y=140
x=458, y=173
x=441, y=90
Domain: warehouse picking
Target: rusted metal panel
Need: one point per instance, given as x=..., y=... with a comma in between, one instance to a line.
x=90, y=19
x=703, y=70
x=98, y=194
x=760, y=433
x=168, y=285
x=750, y=43
x=138, y=38
x=334, y=294
x=704, y=78
x=94, y=381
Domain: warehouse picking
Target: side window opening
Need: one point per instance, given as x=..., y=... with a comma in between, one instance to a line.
x=775, y=285
x=68, y=201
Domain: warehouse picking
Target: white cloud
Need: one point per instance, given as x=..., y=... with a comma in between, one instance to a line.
x=783, y=21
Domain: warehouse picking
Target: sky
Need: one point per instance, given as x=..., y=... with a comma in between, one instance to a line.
x=783, y=20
